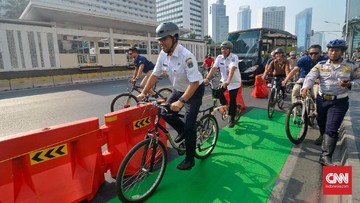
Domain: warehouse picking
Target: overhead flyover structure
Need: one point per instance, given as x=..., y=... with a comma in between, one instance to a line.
x=50, y=34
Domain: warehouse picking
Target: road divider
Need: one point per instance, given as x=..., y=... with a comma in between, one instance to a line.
x=125, y=128
x=65, y=163
x=62, y=163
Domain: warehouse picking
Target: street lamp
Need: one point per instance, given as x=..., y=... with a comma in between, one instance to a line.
x=331, y=22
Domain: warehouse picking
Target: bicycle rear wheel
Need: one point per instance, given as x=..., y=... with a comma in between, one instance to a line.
x=164, y=93
x=296, y=126
x=207, y=135
x=141, y=171
x=271, y=103
x=123, y=101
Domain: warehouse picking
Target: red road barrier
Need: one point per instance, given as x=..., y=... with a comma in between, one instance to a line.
x=126, y=128
x=260, y=90
x=239, y=97
x=62, y=163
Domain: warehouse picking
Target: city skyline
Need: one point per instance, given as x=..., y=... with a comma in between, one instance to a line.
x=332, y=11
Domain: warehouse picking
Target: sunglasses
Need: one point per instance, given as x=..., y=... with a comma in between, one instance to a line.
x=314, y=53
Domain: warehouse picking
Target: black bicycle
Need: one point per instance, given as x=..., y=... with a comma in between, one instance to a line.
x=128, y=99
x=275, y=96
x=144, y=165
x=299, y=117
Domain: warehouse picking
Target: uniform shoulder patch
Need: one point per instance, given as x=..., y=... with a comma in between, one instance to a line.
x=189, y=62
x=315, y=68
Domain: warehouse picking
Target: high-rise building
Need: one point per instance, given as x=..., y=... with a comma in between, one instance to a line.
x=318, y=38
x=353, y=9
x=272, y=17
x=130, y=10
x=353, y=17
x=220, y=22
x=192, y=15
x=2, y=10
x=244, y=18
x=303, y=28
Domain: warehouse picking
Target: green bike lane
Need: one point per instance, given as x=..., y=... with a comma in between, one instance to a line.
x=244, y=166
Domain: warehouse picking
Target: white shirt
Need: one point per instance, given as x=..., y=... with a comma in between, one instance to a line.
x=181, y=68
x=232, y=61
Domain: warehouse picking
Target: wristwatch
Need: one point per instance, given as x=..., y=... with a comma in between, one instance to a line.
x=182, y=100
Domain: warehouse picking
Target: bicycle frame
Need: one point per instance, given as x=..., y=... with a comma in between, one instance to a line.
x=158, y=126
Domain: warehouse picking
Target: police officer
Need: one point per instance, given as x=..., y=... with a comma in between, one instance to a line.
x=180, y=65
x=337, y=76
x=227, y=62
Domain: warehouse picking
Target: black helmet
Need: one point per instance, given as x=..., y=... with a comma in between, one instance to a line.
x=166, y=29
x=337, y=43
x=226, y=45
x=279, y=50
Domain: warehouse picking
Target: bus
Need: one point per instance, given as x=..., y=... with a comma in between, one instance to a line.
x=253, y=47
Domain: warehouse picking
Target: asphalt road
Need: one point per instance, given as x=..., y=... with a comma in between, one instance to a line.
x=26, y=110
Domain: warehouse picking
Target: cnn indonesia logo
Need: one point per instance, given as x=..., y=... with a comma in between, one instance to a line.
x=337, y=180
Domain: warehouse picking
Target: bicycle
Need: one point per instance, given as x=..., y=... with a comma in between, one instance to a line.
x=126, y=100
x=275, y=96
x=222, y=109
x=143, y=167
x=299, y=117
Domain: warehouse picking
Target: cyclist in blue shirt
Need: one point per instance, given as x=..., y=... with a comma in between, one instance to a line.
x=304, y=65
x=142, y=65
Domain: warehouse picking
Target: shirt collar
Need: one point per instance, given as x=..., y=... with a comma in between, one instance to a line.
x=176, y=50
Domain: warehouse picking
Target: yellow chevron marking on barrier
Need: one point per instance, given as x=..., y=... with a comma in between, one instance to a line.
x=111, y=119
x=141, y=123
x=48, y=154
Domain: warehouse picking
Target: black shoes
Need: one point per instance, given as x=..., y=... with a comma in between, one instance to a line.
x=179, y=138
x=186, y=165
x=231, y=123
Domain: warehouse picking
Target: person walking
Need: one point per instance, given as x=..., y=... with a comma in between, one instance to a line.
x=337, y=76
x=180, y=65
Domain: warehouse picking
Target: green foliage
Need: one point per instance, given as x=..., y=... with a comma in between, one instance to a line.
x=14, y=8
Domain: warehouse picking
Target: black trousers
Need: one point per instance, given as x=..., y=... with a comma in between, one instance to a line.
x=188, y=126
x=330, y=114
x=232, y=105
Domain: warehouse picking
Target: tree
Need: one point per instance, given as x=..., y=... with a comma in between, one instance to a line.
x=14, y=8
x=208, y=40
x=192, y=36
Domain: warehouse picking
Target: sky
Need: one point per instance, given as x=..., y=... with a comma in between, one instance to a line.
x=332, y=11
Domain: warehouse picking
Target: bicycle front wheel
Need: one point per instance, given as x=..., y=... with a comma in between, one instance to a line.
x=207, y=135
x=296, y=126
x=123, y=101
x=141, y=171
x=164, y=93
x=271, y=103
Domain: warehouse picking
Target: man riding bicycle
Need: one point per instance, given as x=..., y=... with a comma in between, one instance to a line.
x=181, y=67
x=304, y=66
x=279, y=67
x=208, y=62
x=227, y=62
x=142, y=65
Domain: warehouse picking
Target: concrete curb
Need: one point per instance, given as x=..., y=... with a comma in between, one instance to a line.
x=56, y=80
x=346, y=154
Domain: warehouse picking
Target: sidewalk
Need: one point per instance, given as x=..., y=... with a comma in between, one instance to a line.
x=301, y=176
x=347, y=151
